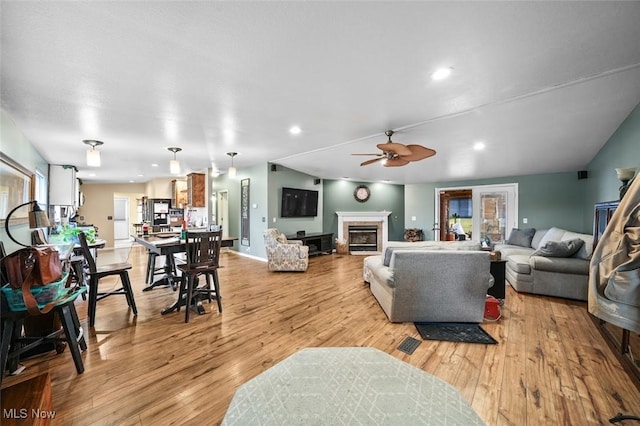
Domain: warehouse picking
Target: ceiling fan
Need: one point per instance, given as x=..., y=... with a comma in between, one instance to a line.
x=396, y=154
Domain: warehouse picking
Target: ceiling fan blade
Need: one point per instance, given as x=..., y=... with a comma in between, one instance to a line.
x=418, y=152
x=378, y=154
x=396, y=148
x=365, y=163
x=396, y=162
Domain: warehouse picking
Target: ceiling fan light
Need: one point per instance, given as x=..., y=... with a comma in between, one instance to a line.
x=93, y=158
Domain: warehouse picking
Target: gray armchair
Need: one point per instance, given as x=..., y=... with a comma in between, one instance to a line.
x=283, y=254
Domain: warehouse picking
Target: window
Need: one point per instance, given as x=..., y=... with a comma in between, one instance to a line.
x=41, y=189
x=461, y=206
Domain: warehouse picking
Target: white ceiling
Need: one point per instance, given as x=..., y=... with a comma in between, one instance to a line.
x=542, y=84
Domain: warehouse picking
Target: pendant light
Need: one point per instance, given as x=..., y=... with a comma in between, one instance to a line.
x=174, y=165
x=93, y=156
x=232, y=170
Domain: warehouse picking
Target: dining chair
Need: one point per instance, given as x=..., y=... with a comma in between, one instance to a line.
x=95, y=273
x=202, y=258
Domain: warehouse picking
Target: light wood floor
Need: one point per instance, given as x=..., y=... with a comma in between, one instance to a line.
x=551, y=366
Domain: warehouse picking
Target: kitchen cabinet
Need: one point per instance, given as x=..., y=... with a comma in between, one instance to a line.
x=63, y=189
x=196, y=190
x=179, y=196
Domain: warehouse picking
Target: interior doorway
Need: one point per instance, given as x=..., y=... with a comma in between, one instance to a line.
x=120, y=219
x=223, y=212
x=483, y=212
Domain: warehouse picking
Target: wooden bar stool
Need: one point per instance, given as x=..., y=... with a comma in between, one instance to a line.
x=203, y=255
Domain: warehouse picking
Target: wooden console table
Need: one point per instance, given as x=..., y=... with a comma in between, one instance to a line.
x=318, y=243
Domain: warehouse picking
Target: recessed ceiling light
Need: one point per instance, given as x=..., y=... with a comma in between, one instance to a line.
x=295, y=130
x=154, y=165
x=131, y=181
x=140, y=175
x=92, y=175
x=441, y=74
x=479, y=146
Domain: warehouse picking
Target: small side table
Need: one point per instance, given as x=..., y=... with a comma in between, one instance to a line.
x=497, y=269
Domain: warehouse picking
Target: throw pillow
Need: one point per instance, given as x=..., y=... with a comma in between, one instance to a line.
x=521, y=237
x=559, y=248
x=281, y=238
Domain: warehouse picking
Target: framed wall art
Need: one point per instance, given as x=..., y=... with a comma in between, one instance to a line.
x=245, y=228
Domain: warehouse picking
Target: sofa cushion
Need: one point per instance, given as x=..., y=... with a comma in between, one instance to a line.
x=565, y=248
x=388, y=252
x=553, y=234
x=519, y=263
x=427, y=245
x=557, y=234
x=565, y=265
x=521, y=237
x=586, y=250
x=535, y=242
x=507, y=250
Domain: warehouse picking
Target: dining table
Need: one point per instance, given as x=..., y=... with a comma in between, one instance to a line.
x=168, y=244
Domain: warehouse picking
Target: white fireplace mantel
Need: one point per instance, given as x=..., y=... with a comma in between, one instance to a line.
x=382, y=217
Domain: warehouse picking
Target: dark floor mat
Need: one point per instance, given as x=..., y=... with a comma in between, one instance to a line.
x=455, y=332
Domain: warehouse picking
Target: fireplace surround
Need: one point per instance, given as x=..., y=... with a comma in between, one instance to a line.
x=364, y=221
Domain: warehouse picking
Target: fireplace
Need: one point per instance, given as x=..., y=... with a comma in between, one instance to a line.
x=364, y=232
x=363, y=238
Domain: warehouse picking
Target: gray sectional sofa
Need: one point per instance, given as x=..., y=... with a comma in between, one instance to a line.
x=430, y=281
x=546, y=265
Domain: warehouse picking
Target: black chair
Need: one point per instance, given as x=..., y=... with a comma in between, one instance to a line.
x=202, y=258
x=95, y=273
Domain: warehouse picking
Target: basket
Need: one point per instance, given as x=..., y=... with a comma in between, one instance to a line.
x=43, y=294
x=342, y=248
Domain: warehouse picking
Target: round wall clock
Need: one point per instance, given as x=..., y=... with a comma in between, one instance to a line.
x=362, y=193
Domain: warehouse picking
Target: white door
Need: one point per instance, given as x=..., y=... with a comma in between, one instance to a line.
x=223, y=212
x=120, y=218
x=495, y=211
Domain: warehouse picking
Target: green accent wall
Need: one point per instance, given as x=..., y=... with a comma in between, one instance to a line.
x=621, y=151
x=338, y=196
x=258, y=206
x=285, y=177
x=555, y=199
x=546, y=200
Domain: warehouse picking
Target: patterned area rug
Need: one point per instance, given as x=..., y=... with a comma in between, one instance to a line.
x=455, y=332
x=347, y=386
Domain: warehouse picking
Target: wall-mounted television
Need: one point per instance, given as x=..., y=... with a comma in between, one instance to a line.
x=299, y=203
